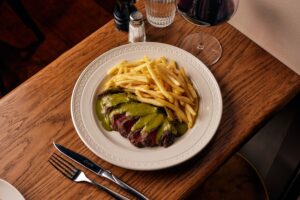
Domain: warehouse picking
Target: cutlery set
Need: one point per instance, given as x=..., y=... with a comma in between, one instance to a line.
x=71, y=172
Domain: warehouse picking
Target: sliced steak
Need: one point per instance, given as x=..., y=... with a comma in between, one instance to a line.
x=125, y=126
x=116, y=121
x=167, y=139
x=150, y=139
x=136, y=139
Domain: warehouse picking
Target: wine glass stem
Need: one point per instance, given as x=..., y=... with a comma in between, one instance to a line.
x=200, y=46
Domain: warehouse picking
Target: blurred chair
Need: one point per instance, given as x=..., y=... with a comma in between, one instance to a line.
x=275, y=151
x=235, y=180
x=19, y=9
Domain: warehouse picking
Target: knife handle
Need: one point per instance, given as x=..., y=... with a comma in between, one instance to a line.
x=123, y=185
x=116, y=195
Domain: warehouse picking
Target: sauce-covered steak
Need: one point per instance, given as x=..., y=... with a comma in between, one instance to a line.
x=145, y=125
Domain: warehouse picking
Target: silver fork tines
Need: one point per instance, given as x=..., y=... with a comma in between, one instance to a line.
x=64, y=167
x=70, y=171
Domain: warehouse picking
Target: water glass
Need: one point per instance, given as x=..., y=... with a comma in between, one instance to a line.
x=160, y=13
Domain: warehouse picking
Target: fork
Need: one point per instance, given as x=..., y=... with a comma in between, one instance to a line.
x=76, y=175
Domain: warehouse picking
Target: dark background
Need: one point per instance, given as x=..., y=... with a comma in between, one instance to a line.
x=57, y=26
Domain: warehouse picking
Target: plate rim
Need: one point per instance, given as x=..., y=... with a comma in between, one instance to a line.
x=86, y=142
x=16, y=192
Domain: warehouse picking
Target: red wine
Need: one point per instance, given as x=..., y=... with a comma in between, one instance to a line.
x=206, y=12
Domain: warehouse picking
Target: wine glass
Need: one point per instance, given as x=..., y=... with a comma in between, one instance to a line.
x=205, y=13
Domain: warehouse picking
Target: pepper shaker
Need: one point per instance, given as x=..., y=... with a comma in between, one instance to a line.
x=122, y=11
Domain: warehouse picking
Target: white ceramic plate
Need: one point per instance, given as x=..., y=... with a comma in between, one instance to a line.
x=8, y=192
x=111, y=146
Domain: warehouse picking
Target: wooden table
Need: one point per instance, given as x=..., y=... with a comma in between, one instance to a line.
x=254, y=87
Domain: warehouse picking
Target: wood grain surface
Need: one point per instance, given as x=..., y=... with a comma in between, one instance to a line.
x=254, y=87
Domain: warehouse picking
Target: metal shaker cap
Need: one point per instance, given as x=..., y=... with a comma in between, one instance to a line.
x=136, y=18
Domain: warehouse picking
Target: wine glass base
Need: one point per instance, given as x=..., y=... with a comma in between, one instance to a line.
x=204, y=46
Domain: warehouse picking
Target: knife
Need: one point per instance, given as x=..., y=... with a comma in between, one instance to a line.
x=85, y=162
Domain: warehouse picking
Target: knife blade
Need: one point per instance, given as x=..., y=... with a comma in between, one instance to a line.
x=88, y=164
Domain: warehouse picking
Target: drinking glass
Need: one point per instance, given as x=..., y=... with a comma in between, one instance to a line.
x=205, y=13
x=160, y=13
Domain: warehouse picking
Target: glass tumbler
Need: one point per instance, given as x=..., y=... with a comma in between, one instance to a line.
x=160, y=13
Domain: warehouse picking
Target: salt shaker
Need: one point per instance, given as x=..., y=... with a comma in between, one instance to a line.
x=136, y=28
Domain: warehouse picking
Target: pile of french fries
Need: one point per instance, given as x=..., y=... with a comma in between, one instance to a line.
x=158, y=82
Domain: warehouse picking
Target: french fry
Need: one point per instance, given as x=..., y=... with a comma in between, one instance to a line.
x=172, y=64
x=139, y=67
x=192, y=90
x=169, y=113
x=182, y=98
x=190, y=109
x=115, y=69
x=158, y=82
x=128, y=77
x=152, y=93
x=122, y=82
x=176, y=103
x=138, y=93
x=170, y=82
x=146, y=59
x=189, y=86
x=181, y=103
x=120, y=71
x=163, y=60
x=179, y=112
x=173, y=75
x=135, y=63
x=174, y=81
x=150, y=101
